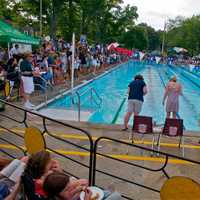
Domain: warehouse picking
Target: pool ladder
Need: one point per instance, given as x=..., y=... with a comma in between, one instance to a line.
x=44, y=88
x=92, y=92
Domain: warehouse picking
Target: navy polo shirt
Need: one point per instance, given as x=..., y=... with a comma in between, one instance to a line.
x=136, y=90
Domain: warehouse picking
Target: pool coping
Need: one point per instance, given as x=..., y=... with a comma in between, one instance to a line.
x=118, y=127
x=68, y=91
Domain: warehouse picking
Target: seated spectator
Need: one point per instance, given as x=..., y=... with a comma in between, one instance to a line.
x=12, y=172
x=61, y=186
x=58, y=185
x=38, y=167
x=10, y=177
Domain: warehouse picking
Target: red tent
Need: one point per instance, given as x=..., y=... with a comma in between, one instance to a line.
x=123, y=51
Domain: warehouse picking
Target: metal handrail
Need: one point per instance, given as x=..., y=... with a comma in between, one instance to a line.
x=44, y=88
x=100, y=99
x=78, y=103
x=91, y=90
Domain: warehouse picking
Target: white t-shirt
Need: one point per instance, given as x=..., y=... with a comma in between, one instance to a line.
x=13, y=51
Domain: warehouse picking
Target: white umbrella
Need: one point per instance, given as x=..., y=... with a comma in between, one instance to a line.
x=112, y=45
x=180, y=50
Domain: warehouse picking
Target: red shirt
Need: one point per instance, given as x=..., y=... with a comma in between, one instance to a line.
x=39, y=189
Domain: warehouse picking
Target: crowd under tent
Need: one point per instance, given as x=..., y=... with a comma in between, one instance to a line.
x=9, y=35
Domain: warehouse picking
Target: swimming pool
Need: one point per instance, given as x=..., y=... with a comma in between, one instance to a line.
x=112, y=88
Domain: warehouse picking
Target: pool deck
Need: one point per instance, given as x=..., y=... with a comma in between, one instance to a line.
x=60, y=114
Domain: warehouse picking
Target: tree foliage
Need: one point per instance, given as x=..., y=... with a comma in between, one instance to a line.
x=185, y=33
x=102, y=21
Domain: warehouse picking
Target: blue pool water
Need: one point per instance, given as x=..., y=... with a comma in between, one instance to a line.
x=112, y=88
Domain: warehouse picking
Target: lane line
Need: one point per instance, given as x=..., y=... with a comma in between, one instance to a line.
x=122, y=156
x=80, y=137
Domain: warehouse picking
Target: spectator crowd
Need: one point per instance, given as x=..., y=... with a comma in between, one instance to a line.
x=52, y=64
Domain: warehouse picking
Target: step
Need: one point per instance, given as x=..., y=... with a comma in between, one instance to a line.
x=66, y=115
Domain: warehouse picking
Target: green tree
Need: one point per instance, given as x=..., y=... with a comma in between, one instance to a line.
x=153, y=36
x=185, y=34
x=135, y=38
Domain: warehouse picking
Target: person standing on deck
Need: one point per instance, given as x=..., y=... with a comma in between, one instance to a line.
x=136, y=91
x=27, y=74
x=172, y=92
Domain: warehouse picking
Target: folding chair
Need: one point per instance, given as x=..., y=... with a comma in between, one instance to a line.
x=172, y=128
x=142, y=125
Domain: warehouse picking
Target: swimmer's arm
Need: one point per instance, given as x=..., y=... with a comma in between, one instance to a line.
x=128, y=91
x=165, y=94
x=145, y=91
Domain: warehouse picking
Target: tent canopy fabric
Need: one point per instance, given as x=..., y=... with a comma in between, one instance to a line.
x=8, y=34
x=112, y=46
x=180, y=50
x=124, y=51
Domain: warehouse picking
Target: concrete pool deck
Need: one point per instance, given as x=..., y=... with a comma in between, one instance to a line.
x=68, y=115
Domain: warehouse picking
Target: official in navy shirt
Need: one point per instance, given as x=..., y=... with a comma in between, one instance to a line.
x=136, y=91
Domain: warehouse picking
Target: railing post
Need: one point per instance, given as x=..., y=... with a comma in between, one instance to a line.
x=46, y=99
x=94, y=162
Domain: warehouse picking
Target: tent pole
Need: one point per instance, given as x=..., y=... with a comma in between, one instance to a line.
x=40, y=18
x=8, y=50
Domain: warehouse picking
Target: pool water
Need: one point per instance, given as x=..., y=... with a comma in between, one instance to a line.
x=112, y=88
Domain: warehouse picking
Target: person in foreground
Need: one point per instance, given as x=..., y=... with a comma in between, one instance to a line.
x=172, y=92
x=58, y=185
x=137, y=89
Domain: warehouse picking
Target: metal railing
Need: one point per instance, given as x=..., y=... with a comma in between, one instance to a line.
x=44, y=87
x=165, y=160
x=24, y=121
x=93, y=152
x=91, y=92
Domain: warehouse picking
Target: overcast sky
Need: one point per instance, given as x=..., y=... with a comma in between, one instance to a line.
x=155, y=12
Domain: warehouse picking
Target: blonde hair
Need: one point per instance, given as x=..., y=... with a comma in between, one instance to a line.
x=173, y=78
